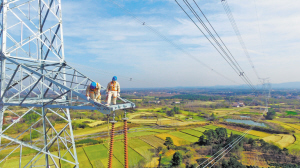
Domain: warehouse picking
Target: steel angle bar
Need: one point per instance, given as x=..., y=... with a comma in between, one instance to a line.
x=31, y=89
x=57, y=97
x=36, y=35
x=16, y=121
x=11, y=78
x=49, y=8
x=17, y=6
x=16, y=44
x=57, y=114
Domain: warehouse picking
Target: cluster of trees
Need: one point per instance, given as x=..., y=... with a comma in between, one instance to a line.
x=31, y=117
x=88, y=142
x=34, y=134
x=216, y=136
x=76, y=125
x=173, y=111
x=271, y=114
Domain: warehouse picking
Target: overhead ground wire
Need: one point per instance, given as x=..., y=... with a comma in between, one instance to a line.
x=232, y=64
x=238, y=34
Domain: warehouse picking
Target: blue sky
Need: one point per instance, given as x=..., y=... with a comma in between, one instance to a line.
x=101, y=41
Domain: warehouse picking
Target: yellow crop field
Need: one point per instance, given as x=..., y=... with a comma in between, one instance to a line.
x=96, y=123
x=259, y=133
x=288, y=126
x=253, y=158
x=143, y=121
x=273, y=138
x=170, y=152
x=252, y=132
x=133, y=115
x=294, y=126
x=153, y=163
x=282, y=140
x=177, y=141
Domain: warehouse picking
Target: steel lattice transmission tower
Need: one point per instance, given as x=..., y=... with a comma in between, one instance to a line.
x=37, y=82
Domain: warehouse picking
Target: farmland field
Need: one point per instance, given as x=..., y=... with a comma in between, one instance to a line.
x=282, y=140
x=251, y=133
x=177, y=141
x=133, y=158
x=82, y=158
x=295, y=147
x=141, y=147
x=153, y=163
x=96, y=123
x=192, y=132
x=184, y=136
x=98, y=155
x=291, y=113
x=153, y=140
x=201, y=129
x=253, y=158
x=135, y=134
x=211, y=127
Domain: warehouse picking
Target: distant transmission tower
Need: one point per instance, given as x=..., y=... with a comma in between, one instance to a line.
x=37, y=81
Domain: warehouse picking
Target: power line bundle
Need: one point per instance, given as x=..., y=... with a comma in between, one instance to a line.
x=215, y=40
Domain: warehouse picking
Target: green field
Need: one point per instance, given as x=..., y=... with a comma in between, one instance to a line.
x=184, y=136
x=141, y=147
x=158, y=130
x=153, y=141
x=211, y=127
x=295, y=147
x=135, y=134
x=82, y=158
x=291, y=113
x=192, y=132
x=133, y=156
x=67, y=156
x=201, y=129
x=98, y=155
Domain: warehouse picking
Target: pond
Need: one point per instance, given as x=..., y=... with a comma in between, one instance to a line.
x=248, y=122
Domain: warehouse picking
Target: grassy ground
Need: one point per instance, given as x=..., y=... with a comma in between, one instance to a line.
x=142, y=148
x=177, y=141
x=98, y=155
x=282, y=140
x=201, y=129
x=83, y=159
x=135, y=134
x=184, y=136
x=295, y=147
x=192, y=132
x=133, y=156
x=153, y=140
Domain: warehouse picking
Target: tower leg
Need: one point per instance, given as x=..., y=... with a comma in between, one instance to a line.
x=111, y=144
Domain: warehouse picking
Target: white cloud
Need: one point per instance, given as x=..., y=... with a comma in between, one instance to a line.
x=102, y=36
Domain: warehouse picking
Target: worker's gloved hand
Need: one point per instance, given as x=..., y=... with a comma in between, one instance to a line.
x=95, y=100
x=88, y=98
x=118, y=94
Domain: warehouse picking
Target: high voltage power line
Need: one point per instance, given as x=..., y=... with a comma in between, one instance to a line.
x=169, y=41
x=238, y=34
x=228, y=57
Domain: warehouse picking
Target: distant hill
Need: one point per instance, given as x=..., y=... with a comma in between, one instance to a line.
x=287, y=85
